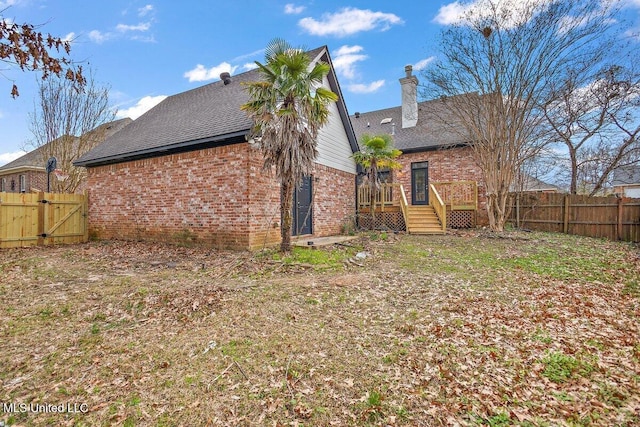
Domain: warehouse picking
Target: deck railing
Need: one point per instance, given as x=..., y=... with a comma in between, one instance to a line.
x=458, y=195
x=438, y=206
x=404, y=206
x=384, y=197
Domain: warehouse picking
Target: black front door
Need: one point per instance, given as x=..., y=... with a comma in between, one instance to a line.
x=303, y=208
x=420, y=183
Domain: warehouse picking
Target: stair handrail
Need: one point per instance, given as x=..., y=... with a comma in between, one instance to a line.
x=438, y=206
x=404, y=205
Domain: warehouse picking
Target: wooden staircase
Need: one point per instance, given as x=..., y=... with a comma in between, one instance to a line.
x=423, y=220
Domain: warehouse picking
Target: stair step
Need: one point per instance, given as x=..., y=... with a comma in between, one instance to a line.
x=423, y=220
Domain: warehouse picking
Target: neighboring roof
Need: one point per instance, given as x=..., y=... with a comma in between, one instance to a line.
x=435, y=128
x=530, y=183
x=33, y=159
x=626, y=175
x=196, y=118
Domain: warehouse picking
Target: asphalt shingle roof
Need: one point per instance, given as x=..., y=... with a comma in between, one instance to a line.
x=626, y=175
x=33, y=159
x=435, y=128
x=205, y=114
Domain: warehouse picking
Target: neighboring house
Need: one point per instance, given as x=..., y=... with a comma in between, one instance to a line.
x=530, y=183
x=28, y=173
x=626, y=181
x=185, y=171
x=434, y=152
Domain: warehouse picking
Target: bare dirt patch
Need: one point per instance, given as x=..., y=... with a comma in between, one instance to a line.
x=534, y=329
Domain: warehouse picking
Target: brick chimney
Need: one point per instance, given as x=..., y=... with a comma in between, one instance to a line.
x=409, y=86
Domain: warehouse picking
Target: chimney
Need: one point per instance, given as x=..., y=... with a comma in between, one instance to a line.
x=409, y=86
x=225, y=77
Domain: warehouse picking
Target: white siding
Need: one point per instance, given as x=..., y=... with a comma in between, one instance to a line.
x=334, y=149
x=632, y=191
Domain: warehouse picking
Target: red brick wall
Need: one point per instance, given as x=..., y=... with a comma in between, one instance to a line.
x=34, y=180
x=454, y=164
x=217, y=196
x=334, y=203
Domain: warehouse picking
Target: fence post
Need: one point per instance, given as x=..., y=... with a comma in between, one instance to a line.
x=565, y=226
x=518, y=210
x=619, y=225
x=41, y=219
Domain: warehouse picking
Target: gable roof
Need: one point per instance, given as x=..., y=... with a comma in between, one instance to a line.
x=626, y=175
x=434, y=129
x=204, y=116
x=33, y=159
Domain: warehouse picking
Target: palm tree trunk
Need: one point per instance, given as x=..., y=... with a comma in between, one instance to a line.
x=286, y=206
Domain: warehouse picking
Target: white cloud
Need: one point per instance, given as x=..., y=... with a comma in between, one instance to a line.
x=349, y=21
x=345, y=60
x=69, y=37
x=422, y=64
x=9, y=157
x=7, y=3
x=201, y=74
x=454, y=13
x=145, y=10
x=98, y=37
x=144, y=104
x=143, y=26
x=451, y=13
x=365, y=88
x=249, y=66
x=248, y=55
x=292, y=9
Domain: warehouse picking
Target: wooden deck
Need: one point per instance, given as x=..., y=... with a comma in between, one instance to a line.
x=444, y=198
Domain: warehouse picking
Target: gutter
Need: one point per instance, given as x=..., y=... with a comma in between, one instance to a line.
x=164, y=150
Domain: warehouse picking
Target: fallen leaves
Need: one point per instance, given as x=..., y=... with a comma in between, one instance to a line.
x=149, y=334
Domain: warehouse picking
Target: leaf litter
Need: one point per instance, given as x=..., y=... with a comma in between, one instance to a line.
x=461, y=329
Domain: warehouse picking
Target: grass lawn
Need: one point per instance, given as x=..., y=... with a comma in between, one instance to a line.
x=528, y=329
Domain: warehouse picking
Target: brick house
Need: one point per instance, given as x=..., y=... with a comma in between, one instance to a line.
x=28, y=172
x=433, y=152
x=185, y=171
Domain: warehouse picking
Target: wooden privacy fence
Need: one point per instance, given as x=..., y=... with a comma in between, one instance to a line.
x=28, y=219
x=608, y=217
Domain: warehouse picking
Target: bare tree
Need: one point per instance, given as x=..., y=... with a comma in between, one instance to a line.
x=22, y=45
x=503, y=56
x=595, y=116
x=67, y=123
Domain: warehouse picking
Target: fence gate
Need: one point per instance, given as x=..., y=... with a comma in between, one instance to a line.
x=30, y=219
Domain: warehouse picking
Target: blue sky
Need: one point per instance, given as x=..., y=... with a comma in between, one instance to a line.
x=145, y=50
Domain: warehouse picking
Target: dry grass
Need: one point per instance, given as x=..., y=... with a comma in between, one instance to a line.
x=530, y=330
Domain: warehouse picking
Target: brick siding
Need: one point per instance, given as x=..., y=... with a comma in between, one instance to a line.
x=453, y=164
x=34, y=181
x=216, y=196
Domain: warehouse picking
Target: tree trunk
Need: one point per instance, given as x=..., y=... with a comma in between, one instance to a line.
x=286, y=203
x=573, y=189
x=373, y=190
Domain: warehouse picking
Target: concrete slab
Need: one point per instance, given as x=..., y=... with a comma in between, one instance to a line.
x=312, y=242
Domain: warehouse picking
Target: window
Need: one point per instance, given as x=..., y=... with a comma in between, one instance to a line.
x=23, y=183
x=3, y=185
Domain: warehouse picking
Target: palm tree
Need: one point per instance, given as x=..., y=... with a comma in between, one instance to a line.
x=288, y=108
x=377, y=153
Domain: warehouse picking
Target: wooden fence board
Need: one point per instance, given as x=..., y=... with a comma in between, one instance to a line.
x=28, y=219
x=607, y=217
